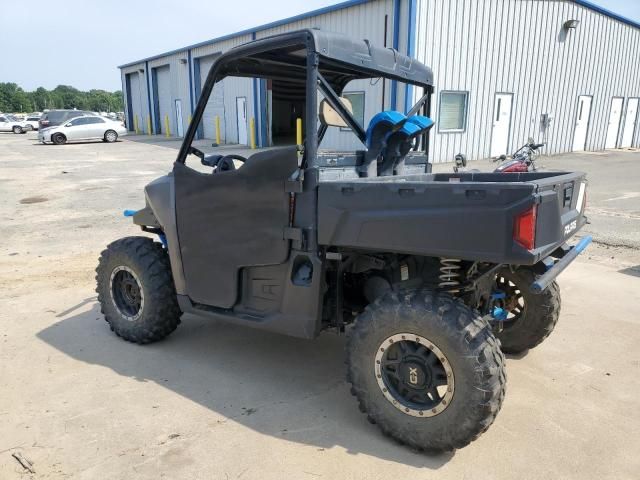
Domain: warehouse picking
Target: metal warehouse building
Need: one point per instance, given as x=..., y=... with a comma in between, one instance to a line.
x=565, y=72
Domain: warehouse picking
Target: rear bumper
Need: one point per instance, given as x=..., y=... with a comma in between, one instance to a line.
x=555, y=267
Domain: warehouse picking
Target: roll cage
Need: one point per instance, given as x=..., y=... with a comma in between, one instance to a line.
x=316, y=61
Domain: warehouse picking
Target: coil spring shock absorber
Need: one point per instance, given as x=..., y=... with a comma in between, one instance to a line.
x=450, y=274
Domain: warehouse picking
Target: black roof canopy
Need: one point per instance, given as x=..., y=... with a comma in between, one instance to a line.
x=341, y=59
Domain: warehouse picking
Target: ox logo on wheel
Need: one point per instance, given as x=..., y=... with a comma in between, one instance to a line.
x=413, y=375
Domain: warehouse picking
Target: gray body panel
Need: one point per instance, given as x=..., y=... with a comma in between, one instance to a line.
x=470, y=218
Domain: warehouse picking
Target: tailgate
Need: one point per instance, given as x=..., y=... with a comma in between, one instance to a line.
x=560, y=212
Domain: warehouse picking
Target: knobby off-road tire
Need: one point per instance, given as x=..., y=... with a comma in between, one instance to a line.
x=536, y=318
x=473, y=357
x=144, y=313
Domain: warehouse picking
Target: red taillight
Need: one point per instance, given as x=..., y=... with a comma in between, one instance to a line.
x=524, y=228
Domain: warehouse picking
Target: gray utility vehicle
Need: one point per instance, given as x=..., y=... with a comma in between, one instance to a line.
x=429, y=273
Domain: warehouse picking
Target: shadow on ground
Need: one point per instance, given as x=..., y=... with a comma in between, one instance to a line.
x=633, y=271
x=283, y=387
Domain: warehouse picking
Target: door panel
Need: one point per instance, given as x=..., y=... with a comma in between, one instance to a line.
x=613, y=129
x=97, y=128
x=230, y=220
x=501, y=124
x=241, y=113
x=163, y=98
x=582, y=123
x=78, y=130
x=179, y=126
x=630, y=120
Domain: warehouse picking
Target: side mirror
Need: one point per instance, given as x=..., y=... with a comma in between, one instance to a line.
x=331, y=118
x=68, y=125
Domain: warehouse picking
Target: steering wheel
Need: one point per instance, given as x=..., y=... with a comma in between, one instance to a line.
x=225, y=164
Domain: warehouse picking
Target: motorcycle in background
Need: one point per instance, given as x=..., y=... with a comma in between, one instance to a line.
x=522, y=160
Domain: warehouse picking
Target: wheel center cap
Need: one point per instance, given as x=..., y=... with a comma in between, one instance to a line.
x=413, y=375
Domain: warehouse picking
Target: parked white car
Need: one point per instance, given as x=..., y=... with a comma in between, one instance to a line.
x=32, y=122
x=9, y=123
x=83, y=128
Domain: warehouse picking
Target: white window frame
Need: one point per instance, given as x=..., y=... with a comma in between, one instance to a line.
x=465, y=111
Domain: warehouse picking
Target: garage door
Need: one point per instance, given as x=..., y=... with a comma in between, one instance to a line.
x=134, y=99
x=163, y=99
x=215, y=105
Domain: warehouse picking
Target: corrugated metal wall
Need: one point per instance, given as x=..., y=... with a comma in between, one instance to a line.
x=480, y=47
x=520, y=47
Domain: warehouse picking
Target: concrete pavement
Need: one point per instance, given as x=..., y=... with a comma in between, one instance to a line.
x=218, y=401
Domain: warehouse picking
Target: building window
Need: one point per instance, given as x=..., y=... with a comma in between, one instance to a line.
x=357, y=104
x=453, y=111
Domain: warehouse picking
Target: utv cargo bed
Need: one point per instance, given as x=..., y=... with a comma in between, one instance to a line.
x=471, y=216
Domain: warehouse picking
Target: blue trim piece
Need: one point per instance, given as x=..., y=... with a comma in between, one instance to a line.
x=498, y=296
x=499, y=314
x=163, y=239
x=584, y=243
x=129, y=213
x=189, y=62
x=411, y=50
x=277, y=23
x=395, y=44
x=608, y=13
x=198, y=90
x=146, y=74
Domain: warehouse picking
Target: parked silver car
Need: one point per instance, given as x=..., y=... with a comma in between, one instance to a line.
x=9, y=123
x=83, y=128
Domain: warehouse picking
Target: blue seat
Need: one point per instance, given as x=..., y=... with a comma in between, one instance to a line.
x=389, y=137
x=381, y=124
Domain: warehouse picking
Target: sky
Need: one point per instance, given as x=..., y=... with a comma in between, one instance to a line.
x=85, y=40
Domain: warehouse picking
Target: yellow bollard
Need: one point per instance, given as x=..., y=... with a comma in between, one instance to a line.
x=252, y=130
x=167, y=132
x=218, y=140
x=135, y=124
x=148, y=125
x=298, y=131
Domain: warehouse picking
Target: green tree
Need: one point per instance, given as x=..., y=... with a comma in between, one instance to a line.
x=15, y=99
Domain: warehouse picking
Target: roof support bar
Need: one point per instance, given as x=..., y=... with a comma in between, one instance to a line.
x=338, y=106
x=416, y=108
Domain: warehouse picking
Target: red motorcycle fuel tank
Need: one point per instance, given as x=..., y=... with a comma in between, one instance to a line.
x=512, y=166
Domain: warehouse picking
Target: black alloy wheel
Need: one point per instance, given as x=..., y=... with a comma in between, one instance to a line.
x=414, y=375
x=126, y=293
